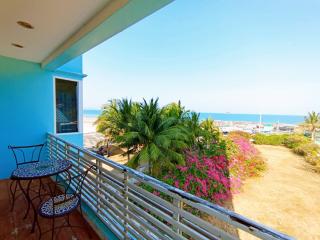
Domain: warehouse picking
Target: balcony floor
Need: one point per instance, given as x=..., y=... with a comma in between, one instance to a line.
x=12, y=226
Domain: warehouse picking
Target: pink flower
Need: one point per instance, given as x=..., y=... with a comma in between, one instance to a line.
x=156, y=193
x=182, y=168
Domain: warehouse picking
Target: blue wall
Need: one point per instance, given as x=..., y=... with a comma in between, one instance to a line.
x=74, y=66
x=27, y=106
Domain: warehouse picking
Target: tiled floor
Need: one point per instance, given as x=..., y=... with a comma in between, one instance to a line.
x=13, y=226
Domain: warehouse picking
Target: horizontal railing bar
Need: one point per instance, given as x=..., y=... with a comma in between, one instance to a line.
x=167, y=218
x=153, y=199
x=154, y=220
x=143, y=224
x=110, y=225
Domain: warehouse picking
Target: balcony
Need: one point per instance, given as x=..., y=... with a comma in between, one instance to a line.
x=13, y=226
x=119, y=206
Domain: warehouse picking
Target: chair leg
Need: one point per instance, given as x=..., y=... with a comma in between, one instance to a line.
x=81, y=210
x=40, y=232
x=52, y=233
x=29, y=201
x=13, y=193
x=68, y=220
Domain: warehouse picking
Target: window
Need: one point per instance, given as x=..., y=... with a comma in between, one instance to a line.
x=66, y=106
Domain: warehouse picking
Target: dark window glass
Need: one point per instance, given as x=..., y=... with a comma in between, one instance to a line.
x=66, y=106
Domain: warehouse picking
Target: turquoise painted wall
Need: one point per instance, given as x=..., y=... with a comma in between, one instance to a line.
x=27, y=107
x=74, y=66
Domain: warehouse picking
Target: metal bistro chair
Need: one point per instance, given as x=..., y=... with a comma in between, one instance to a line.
x=24, y=155
x=63, y=200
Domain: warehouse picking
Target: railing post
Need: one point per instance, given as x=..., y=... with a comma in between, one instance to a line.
x=98, y=181
x=56, y=149
x=176, y=215
x=49, y=140
x=66, y=151
x=78, y=159
x=125, y=203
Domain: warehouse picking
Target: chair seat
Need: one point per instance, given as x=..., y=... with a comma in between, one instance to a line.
x=64, y=204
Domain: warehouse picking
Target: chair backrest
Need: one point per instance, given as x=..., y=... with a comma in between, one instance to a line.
x=77, y=181
x=26, y=154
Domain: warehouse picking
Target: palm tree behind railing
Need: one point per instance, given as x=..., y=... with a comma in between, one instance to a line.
x=312, y=123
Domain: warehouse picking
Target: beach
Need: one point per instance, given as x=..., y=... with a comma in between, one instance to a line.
x=90, y=135
x=88, y=124
x=239, y=122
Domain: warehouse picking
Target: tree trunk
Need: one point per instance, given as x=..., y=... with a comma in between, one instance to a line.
x=128, y=154
x=108, y=152
x=150, y=169
x=313, y=133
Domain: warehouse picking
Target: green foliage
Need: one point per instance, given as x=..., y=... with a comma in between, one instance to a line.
x=306, y=149
x=311, y=153
x=210, y=131
x=273, y=139
x=106, y=123
x=192, y=122
x=312, y=123
x=240, y=134
x=314, y=160
x=295, y=140
x=218, y=148
x=231, y=147
x=299, y=144
x=161, y=137
x=175, y=110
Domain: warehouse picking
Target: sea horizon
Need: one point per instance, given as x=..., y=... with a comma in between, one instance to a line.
x=234, y=117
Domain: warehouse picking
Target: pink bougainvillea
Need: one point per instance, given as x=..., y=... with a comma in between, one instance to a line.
x=216, y=178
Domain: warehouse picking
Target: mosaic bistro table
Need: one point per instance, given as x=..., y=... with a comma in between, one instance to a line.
x=38, y=171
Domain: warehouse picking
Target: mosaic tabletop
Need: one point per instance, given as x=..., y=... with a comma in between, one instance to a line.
x=41, y=169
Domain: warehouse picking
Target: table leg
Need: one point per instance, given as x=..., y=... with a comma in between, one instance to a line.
x=13, y=193
x=26, y=194
x=28, y=200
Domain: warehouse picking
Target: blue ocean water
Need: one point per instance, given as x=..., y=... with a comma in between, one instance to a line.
x=268, y=118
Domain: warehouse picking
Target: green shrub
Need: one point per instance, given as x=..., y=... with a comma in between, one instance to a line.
x=274, y=139
x=305, y=149
x=295, y=140
x=299, y=144
x=314, y=160
x=231, y=148
x=239, y=134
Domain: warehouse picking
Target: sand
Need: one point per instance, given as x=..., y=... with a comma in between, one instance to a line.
x=88, y=124
x=286, y=198
x=91, y=137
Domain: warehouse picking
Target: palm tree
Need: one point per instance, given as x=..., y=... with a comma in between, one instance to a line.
x=312, y=123
x=116, y=119
x=161, y=138
x=106, y=125
x=193, y=125
x=210, y=133
x=176, y=110
x=126, y=111
x=209, y=126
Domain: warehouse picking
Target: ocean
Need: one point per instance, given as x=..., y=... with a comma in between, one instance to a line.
x=268, y=118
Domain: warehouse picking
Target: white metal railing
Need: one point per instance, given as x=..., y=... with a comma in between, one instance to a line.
x=116, y=194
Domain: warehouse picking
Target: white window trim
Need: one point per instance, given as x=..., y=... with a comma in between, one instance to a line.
x=79, y=105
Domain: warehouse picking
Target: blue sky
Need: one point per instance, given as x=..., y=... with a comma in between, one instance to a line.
x=240, y=56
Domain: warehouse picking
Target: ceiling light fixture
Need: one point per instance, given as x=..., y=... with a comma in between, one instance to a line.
x=17, y=45
x=25, y=24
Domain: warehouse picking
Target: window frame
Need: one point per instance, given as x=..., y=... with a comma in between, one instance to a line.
x=79, y=105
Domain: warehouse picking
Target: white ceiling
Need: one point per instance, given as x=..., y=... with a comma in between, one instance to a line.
x=54, y=22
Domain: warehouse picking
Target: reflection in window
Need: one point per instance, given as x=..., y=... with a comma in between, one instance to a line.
x=66, y=106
